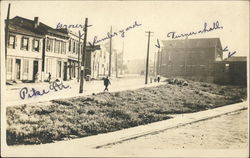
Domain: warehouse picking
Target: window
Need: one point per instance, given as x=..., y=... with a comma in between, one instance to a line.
x=49, y=45
x=36, y=45
x=25, y=43
x=9, y=65
x=25, y=66
x=226, y=67
x=63, y=47
x=74, y=47
x=69, y=45
x=12, y=41
x=57, y=46
x=59, y=70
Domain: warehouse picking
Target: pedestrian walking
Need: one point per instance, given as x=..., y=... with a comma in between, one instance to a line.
x=158, y=78
x=106, y=83
x=49, y=78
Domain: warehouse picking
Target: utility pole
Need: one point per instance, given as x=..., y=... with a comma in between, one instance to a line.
x=155, y=64
x=158, y=63
x=146, y=77
x=79, y=53
x=83, y=56
x=110, y=52
x=7, y=33
x=116, y=68
x=122, y=57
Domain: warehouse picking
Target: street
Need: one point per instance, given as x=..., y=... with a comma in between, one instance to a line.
x=224, y=132
x=117, y=84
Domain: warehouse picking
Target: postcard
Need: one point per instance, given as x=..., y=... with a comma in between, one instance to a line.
x=124, y=78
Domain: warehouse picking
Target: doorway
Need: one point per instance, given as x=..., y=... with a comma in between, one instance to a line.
x=65, y=71
x=35, y=69
x=18, y=69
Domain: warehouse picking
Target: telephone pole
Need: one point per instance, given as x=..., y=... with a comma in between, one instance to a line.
x=83, y=56
x=79, y=53
x=110, y=52
x=7, y=33
x=116, y=64
x=146, y=77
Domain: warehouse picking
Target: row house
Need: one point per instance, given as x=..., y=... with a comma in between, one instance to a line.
x=50, y=45
x=24, y=58
x=73, y=55
x=37, y=51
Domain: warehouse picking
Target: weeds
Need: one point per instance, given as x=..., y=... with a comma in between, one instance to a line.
x=105, y=112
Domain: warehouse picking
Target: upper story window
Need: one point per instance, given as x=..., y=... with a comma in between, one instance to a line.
x=63, y=47
x=25, y=43
x=74, y=47
x=49, y=45
x=69, y=45
x=36, y=44
x=12, y=41
x=57, y=46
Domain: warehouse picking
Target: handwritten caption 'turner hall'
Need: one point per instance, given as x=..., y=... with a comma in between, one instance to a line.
x=216, y=26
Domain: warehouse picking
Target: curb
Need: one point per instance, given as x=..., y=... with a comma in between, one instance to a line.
x=178, y=121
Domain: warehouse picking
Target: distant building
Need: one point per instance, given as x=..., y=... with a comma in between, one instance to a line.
x=232, y=71
x=190, y=58
x=99, y=63
x=136, y=66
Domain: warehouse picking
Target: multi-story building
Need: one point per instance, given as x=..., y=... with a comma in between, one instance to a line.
x=37, y=51
x=48, y=44
x=99, y=63
x=73, y=55
x=24, y=57
x=190, y=58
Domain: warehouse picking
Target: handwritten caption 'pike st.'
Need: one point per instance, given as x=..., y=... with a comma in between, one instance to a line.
x=26, y=93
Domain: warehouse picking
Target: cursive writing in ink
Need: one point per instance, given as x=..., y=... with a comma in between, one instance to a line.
x=29, y=93
x=113, y=34
x=216, y=26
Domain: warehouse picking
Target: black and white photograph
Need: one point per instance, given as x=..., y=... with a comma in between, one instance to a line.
x=124, y=78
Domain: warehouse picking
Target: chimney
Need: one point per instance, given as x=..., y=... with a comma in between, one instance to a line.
x=36, y=22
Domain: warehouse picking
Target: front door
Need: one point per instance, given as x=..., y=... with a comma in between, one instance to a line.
x=18, y=67
x=35, y=69
x=65, y=71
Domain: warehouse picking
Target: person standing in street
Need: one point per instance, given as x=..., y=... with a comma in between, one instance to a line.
x=49, y=78
x=158, y=78
x=106, y=83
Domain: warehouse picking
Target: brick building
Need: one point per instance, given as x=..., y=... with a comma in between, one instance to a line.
x=189, y=58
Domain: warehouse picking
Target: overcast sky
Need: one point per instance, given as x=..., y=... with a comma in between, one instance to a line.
x=159, y=17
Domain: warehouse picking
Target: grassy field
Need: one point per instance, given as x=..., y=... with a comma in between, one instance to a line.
x=105, y=112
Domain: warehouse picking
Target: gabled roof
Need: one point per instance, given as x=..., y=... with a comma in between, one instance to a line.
x=17, y=29
x=192, y=43
x=42, y=29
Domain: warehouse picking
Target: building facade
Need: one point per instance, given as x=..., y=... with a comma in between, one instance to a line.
x=190, y=58
x=24, y=57
x=37, y=52
x=232, y=70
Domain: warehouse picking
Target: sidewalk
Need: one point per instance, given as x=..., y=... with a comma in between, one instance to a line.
x=117, y=84
x=92, y=146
